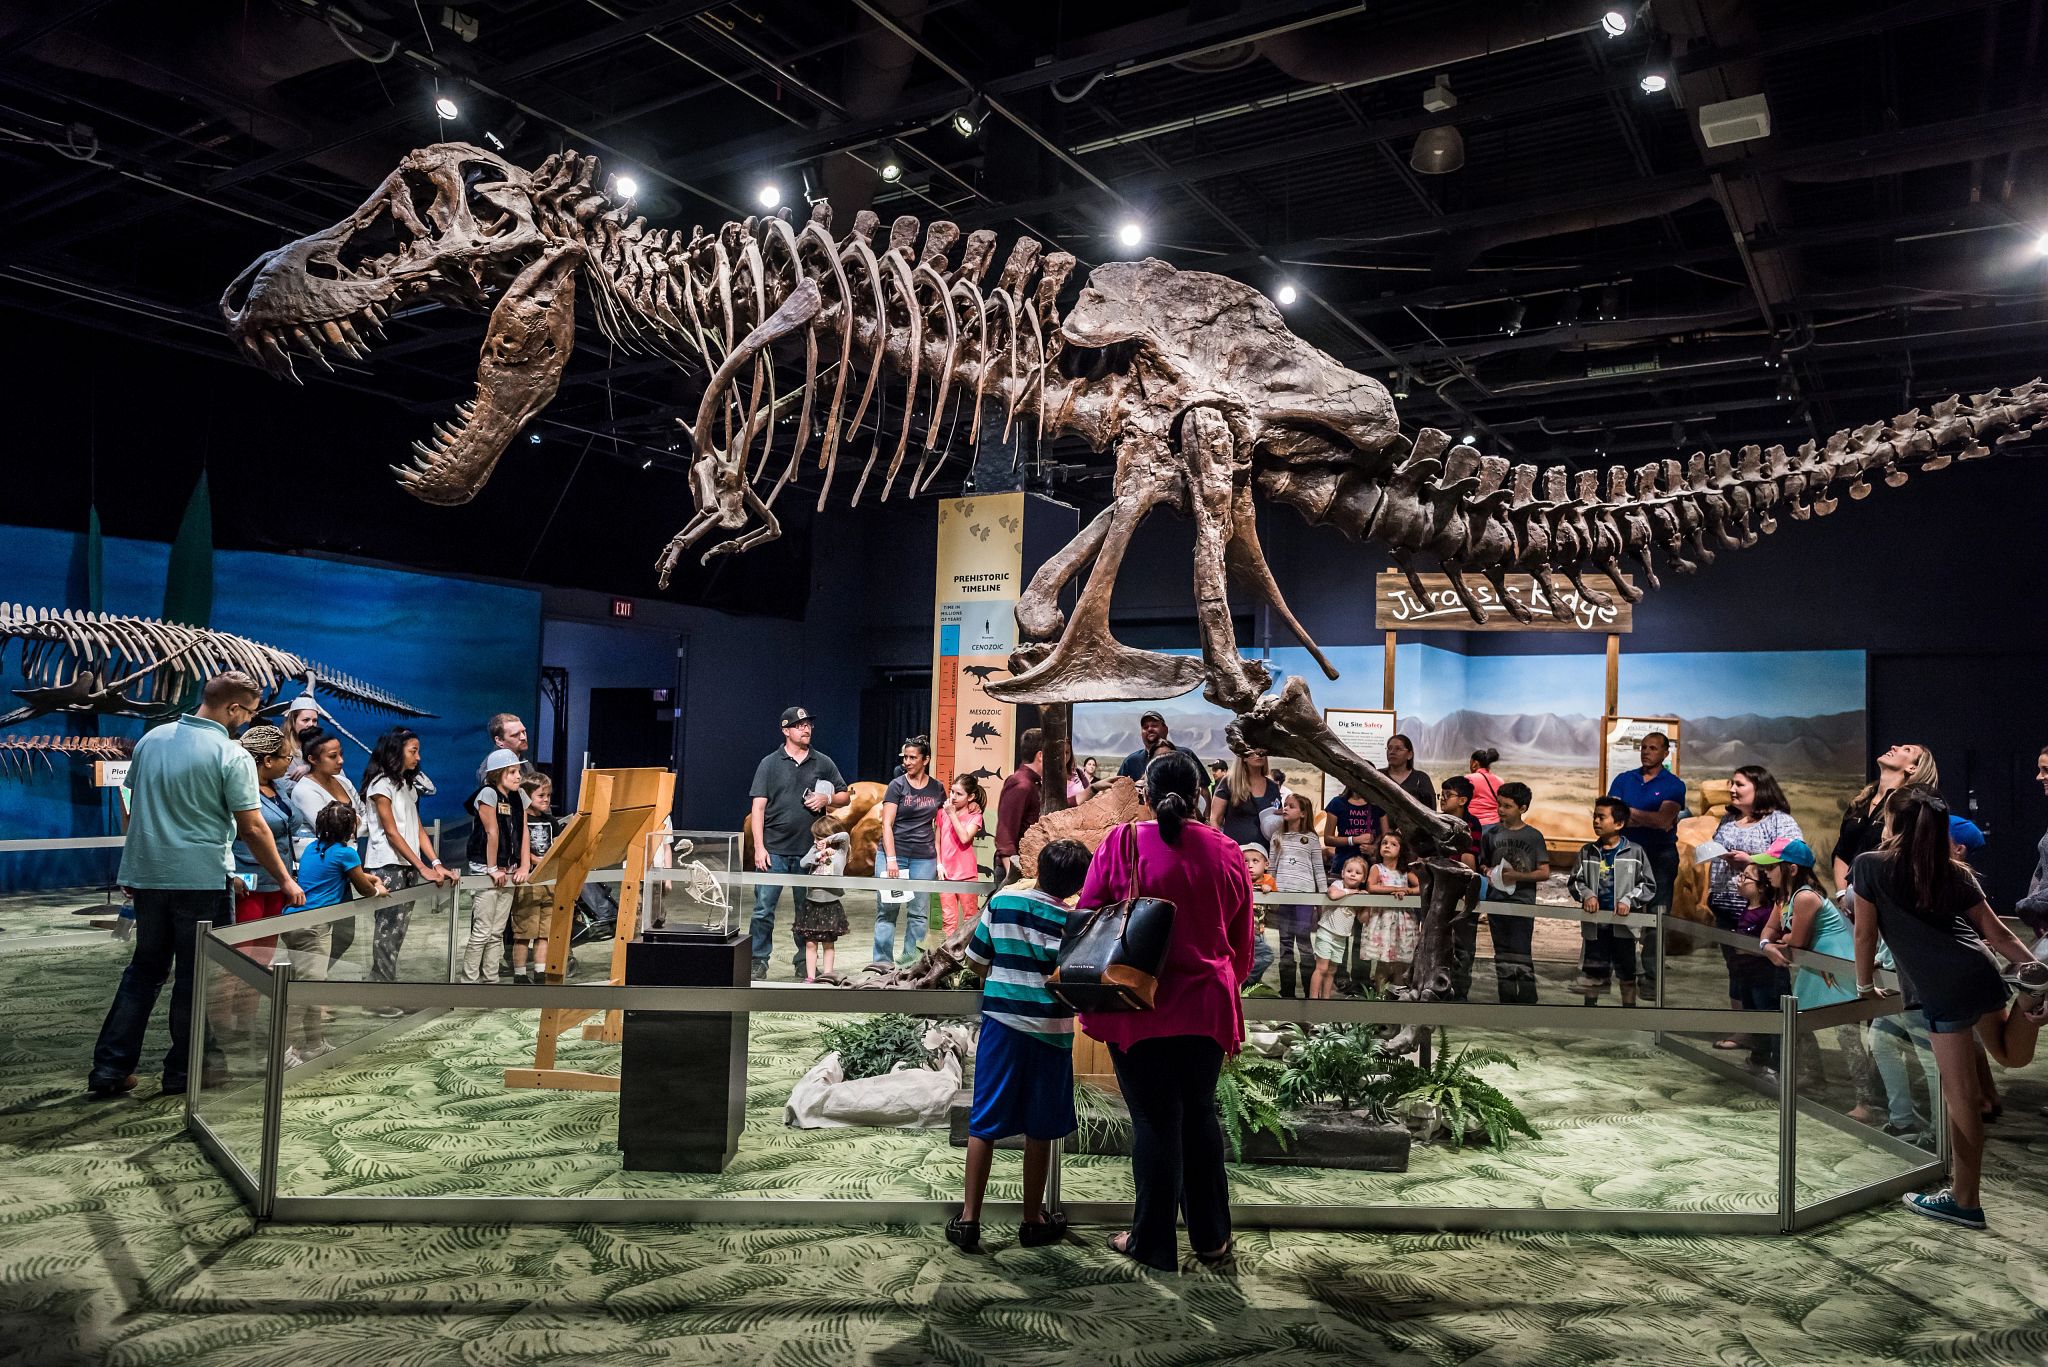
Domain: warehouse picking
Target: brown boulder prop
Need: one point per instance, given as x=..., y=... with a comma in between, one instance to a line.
x=1689, y=897
x=1087, y=823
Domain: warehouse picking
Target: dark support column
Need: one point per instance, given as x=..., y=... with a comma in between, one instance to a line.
x=1056, y=721
x=683, y=1075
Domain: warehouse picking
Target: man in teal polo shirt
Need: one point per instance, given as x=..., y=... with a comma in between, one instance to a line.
x=194, y=793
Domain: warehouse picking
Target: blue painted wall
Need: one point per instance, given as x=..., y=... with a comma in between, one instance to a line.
x=457, y=648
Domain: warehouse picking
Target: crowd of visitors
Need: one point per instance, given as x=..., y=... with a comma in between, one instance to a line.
x=262, y=827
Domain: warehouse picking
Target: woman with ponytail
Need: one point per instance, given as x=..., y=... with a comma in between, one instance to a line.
x=1929, y=909
x=1167, y=1059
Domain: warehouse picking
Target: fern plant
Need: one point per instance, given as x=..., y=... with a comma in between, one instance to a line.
x=1248, y=1102
x=1462, y=1099
x=1332, y=1068
x=869, y=1046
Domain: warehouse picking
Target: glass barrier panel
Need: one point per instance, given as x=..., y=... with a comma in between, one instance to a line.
x=1618, y=1124
x=425, y=1109
x=1846, y=1139
x=65, y=896
x=235, y=1063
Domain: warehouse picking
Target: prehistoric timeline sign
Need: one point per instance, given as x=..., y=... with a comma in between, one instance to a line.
x=1396, y=608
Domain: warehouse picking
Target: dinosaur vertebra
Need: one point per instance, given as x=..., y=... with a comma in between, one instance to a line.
x=1194, y=379
x=81, y=663
x=23, y=751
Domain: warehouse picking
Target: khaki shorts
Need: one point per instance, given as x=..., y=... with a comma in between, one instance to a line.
x=531, y=908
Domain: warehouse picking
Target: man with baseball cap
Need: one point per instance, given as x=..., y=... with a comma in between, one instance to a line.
x=1152, y=728
x=793, y=784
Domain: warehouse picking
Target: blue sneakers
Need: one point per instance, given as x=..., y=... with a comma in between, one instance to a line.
x=1942, y=1205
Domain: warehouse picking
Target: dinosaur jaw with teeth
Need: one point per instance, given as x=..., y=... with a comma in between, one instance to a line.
x=526, y=348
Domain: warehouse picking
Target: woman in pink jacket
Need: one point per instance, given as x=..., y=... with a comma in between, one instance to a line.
x=1167, y=1059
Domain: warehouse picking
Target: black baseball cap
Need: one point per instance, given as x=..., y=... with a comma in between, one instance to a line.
x=793, y=715
x=1144, y=717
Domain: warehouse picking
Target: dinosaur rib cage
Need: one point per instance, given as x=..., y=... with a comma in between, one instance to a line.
x=913, y=309
x=162, y=661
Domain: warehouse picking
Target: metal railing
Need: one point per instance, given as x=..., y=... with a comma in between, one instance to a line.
x=256, y=1176
x=423, y=1001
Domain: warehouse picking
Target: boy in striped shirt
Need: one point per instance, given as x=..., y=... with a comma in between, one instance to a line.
x=1024, y=1063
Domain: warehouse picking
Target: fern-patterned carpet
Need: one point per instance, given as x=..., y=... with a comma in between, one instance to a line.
x=119, y=1243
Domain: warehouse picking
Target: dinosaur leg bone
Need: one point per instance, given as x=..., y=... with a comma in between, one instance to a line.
x=1246, y=559
x=1289, y=723
x=1214, y=479
x=1088, y=664
x=1038, y=612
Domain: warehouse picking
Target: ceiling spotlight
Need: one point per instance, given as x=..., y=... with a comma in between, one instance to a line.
x=1653, y=81
x=1469, y=438
x=890, y=163
x=966, y=121
x=445, y=108
x=626, y=186
x=1678, y=434
x=1774, y=354
x=1614, y=23
x=2041, y=244
x=647, y=464
x=769, y=195
x=533, y=437
x=1441, y=150
x=1131, y=233
x=1285, y=295
x=1398, y=382
x=1609, y=303
x=1516, y=314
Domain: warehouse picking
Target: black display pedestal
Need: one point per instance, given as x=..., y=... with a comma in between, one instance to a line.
x=675, y=1066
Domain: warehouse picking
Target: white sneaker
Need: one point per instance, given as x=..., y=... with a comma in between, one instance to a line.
x=292, y=1057
x=314, y=1051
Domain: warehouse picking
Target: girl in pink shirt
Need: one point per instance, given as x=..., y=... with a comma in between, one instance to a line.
x=958, y=823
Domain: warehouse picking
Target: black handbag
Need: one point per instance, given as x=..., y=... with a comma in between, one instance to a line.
x=1111, y=958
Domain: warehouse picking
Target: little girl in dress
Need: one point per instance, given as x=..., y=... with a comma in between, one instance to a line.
x=1391, y=933
x=1297, y=864
x=959, y=822
x=1332, y=937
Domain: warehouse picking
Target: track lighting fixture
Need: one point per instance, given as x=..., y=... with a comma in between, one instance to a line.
x=967, y=120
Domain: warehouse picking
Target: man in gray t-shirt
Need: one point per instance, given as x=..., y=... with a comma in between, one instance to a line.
x=793, y=785
x=1516, y=857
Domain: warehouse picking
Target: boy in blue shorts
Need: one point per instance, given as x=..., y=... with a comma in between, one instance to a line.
x=1024, y=1063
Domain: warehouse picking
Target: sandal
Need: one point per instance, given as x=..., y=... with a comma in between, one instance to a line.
x=1220, y=1256
x=1040, y=1233
x=964, y=1235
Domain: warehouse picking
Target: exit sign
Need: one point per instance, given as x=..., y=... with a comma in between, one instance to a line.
x=622, y=607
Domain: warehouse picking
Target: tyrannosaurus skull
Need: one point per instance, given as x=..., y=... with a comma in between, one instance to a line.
x=453, y=223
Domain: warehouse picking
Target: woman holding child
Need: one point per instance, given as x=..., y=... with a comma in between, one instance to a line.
x=1167, y=1059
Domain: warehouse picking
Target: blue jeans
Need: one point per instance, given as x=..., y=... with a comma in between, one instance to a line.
x=916, y=913
x=164, y=923
x=1262, y=949
x=766, y=898
x=1891, y=1039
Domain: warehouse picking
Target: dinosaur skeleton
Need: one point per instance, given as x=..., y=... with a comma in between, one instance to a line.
x=102, y=664
x=23, y=751
x=1193, y=379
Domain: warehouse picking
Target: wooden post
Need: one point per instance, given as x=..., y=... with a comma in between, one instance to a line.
x=1613, y=674
x=1387, y=690
x=617, y=809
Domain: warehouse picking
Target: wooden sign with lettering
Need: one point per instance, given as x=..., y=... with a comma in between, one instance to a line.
x=1396, y=608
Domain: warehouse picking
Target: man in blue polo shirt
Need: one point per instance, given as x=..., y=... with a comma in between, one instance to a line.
x=195, y=793
x=1656, y=801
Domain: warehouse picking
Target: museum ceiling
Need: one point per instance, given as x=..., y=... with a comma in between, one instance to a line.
x=1594, y=282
